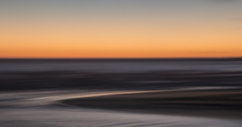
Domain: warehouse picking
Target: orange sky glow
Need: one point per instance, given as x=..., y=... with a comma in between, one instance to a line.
x=112, y=33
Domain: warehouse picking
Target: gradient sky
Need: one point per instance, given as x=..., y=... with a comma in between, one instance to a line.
x=120, y=28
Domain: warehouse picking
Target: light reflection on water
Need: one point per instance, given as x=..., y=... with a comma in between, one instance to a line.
x=35, y=109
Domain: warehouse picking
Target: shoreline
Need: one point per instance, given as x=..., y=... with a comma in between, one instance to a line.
x=222, y=104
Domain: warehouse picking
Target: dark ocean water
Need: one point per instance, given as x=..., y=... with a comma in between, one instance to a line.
x=104, y=92
x=120, y=65
x=17, y=74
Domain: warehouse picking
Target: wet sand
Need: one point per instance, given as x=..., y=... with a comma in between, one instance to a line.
x=214, y=103
x=42, y=109
x=121, y=93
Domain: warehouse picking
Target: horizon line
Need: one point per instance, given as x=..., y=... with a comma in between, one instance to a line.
x=49, y=58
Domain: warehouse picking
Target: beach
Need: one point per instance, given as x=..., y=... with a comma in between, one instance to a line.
x=121, y=93
x=46, y=109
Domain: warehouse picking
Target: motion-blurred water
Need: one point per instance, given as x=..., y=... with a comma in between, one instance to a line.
x=121, y=65
x=31, y=90
x=39, y=109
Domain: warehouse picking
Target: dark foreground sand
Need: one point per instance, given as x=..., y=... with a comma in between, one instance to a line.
x=219, y=103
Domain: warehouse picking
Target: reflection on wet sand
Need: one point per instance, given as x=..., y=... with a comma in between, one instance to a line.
x=219, y=103
x=43, y=109
x=120, y=92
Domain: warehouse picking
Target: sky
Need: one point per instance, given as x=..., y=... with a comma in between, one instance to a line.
x=120, y=28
